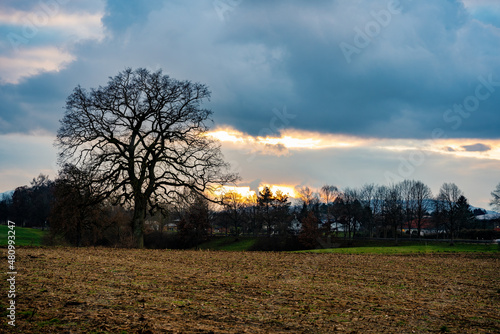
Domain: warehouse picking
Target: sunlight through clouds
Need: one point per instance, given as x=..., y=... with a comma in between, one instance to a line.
x=243, y=191
x=293, y=140
x=284, y=189
x=289, y=139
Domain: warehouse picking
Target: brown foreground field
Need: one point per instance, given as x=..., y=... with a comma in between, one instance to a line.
x=101, y=290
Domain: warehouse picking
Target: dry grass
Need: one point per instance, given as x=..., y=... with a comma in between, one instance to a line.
x=68, y=290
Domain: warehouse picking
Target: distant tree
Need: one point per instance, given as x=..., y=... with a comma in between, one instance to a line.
x=495, y=201
x=407, y=190
x=265, y=201
x=423, y=202
x=234, y=208
x=42, y=197
x=78, y=215
x=308, y=197
x=367, y=198
x=354, y=211
x=393, y=209
x=21, y=205
x=328, y=194
x=465, y=217
x=348, y=211
x=275, y=211
x=5, y=208
x=449, y=195
x=281, y=212
x=378, y=204
x=252, y=214
x=309, y=233
x=31, y=204
x=143, y=137
x=439, y=215
x=194, y=225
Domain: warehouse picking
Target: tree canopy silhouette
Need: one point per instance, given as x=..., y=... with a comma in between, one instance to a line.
x=143, y=138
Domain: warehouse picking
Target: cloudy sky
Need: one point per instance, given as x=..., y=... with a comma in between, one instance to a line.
x=341, y=92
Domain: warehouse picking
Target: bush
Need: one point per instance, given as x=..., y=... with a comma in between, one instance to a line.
x=275, y=243
x=479, y=234
x=159, y=240
x=52, y=239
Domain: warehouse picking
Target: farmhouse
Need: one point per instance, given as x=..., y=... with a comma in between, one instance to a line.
x=426, y=227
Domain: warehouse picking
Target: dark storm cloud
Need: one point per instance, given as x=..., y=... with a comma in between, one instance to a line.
x=122, y=14
x=426, y=59
x=34, y=104
x=407, y=67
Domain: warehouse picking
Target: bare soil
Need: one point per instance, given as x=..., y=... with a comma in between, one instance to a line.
x=102, y=290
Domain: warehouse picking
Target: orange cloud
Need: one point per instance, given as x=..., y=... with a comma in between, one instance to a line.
x=290, y=140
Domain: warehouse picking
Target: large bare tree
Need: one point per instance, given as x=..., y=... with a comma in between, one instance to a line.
x=143, y=136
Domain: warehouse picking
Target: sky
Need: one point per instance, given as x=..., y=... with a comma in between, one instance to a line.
x=304, y=93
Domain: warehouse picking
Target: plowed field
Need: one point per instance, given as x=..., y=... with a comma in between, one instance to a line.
x=100, y=290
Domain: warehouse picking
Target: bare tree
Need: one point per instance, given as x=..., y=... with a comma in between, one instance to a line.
x=348, y=211
x=367, y=197
x=393, y=209
x=234, y=207
x=143, y=137
x=449, y=195
x=329, y=193
x=194, y=225
x=422, y=197
x=307, y=196
x=407, y=189
x=495, y=201
x=378, y=204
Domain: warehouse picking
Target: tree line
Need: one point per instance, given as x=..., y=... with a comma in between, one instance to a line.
x=135, y=156
x=403, y=210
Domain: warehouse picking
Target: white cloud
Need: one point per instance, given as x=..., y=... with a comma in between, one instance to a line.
x=29, y=62
x=40, y=40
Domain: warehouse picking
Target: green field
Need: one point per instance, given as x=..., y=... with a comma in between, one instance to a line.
x=360, y=246
x=229, y=244
x=24, y=236
x=434, y=247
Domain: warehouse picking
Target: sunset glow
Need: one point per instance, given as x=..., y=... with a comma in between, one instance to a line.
x=290, y=139
x=285, y=190
x=242, y=191
x=296, y=140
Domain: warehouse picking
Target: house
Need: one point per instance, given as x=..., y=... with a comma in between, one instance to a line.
x=295, y=225
x=427, y=227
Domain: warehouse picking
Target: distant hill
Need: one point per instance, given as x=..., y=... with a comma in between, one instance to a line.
x=430, y=204
x=7, y=194
x=490, y=214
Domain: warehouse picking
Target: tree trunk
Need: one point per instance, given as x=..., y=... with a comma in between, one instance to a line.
x=138, y=222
